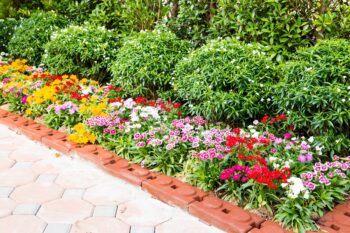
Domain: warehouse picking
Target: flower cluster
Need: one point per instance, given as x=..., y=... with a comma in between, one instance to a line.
x=69, y=106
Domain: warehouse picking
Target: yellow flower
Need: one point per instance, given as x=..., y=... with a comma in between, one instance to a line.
x=28, y=112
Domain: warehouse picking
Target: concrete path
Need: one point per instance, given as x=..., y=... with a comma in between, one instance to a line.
x=44, y=192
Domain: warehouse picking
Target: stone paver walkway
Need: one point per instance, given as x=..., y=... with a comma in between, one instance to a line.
x=44, y=192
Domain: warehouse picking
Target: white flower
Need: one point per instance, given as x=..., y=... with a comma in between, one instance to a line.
x=255, y=122
x=296, y=186
x=311, y=139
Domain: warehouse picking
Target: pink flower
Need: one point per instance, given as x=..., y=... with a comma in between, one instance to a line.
x=273, y=150
x=287, y=135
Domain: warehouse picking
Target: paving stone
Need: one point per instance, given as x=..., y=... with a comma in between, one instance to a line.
x=20, y=165
x=144, y=212
x=65, y=211
x=105, y=211
x=6, y=163
x=36, y=193
x=100, y=225
x=109, y=194
x=30, y=209
x=138, y=229
x=21, y=224
x=73, y=193
x=78, y=179
x=27, y=155
x=14, y=177
x=46, y=178
x=5, y=191
x=6, y=206
x=57, y=228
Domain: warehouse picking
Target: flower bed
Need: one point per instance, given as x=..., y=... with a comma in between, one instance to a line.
x=266, y=167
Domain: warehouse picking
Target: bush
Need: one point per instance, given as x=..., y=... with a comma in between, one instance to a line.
x=33, y=33
x=315, y=91
x=225, y=80
x=145, y=63
x=7, y=28
x=85, y=50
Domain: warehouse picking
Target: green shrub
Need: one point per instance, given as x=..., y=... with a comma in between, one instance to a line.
x=146, y=62
x=84, y=50
x=225, y=80
x=33, y=33
x=7, y=27
x=314, y=90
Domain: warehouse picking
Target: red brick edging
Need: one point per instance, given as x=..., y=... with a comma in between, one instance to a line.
x=208, y=208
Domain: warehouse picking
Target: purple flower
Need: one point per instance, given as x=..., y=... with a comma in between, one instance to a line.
x=24, y=99
x=308, y=157
x=302, y=158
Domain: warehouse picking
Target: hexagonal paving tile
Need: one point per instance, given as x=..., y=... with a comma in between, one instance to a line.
x=7, y=206
x=108, y=194
x=144, y=212
x=45, y=167
x=82, y=178
x=36, y=193
x=185, y=225
x=65, y=211
x=16, y=176
x=22, y=223
x=100, y=224
x=26, y=156
x=6, y=163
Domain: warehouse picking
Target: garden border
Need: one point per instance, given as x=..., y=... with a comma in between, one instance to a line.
x=208, y=208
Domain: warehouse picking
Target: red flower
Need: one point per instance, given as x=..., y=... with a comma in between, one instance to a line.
x=177, y=105
x=179, y=113
x=236, y=130
x=264, y=120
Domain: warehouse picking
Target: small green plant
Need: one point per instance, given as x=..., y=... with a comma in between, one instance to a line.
x=225, y=80
x=145, y=63
x=84, y=50
x=7, y=28
x=33, y=33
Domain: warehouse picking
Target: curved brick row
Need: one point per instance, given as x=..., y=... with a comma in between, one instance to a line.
x=210, y=209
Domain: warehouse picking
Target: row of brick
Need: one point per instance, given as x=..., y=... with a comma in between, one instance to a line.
x=209, y=208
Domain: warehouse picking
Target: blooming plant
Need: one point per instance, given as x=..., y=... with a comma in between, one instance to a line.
x=265, y=166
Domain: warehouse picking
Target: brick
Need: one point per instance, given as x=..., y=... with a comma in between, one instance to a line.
x=37, y=131
x=58, y=141
x=338, y=219
x=173, y=191
x=224, y=215
x=269, y=227
x=95, y=154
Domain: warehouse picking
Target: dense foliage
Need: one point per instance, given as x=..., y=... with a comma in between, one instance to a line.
x=266, y=166
x=85, y=50
x=145, y=63
x=33, y=33
x=226, y=80
x=315, y=91
x=7, y=28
